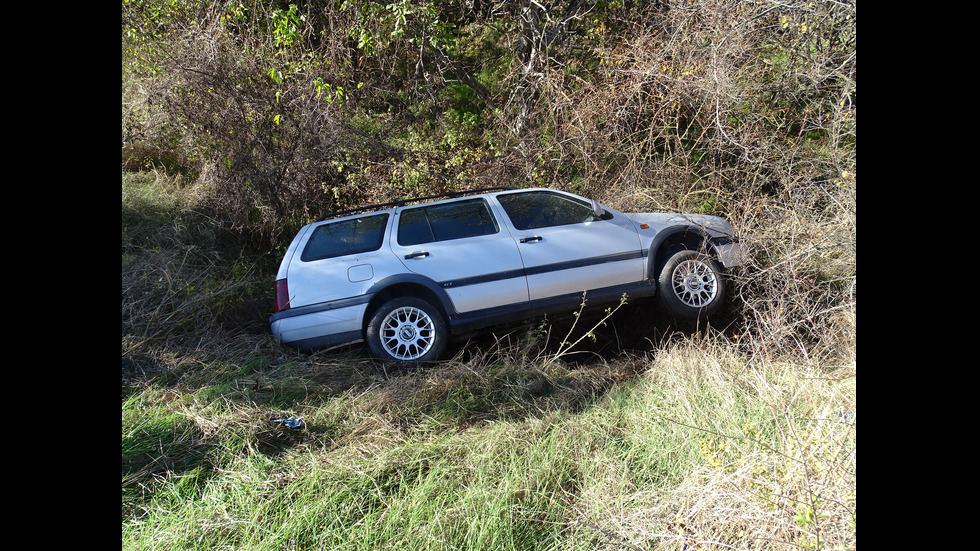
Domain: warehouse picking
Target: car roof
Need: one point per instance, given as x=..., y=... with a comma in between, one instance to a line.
x=403, y=202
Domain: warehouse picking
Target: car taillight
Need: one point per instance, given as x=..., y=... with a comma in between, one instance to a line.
x=282, y=295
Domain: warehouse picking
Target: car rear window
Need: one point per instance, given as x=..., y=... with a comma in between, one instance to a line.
x=344, y=237
x=447, y=221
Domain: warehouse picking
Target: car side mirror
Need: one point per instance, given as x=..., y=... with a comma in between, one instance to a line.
x=600, y=213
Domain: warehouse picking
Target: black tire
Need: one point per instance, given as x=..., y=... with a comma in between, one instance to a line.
x=691, y=286
x=407, y=331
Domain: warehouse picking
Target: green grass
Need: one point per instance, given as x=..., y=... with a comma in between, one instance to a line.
x=508, y=446
x=384, y=467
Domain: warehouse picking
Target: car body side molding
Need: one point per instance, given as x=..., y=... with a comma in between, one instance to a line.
x=471, y=321
x=320, y=307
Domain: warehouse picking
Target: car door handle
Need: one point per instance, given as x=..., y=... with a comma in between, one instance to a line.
x=417, y=254
x=531, y=239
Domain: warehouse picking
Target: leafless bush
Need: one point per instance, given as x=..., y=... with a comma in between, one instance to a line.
x=742, y=109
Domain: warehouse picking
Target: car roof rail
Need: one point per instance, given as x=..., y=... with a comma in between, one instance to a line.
x=403, y=202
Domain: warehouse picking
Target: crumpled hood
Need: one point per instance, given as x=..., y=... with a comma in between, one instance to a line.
x=716, y=226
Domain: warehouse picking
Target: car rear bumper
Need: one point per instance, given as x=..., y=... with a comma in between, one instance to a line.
x=306, y=328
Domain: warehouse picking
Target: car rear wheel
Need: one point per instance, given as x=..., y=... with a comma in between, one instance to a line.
x=691, y=285
x=407, y=331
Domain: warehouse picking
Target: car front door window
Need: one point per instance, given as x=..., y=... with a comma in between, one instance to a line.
x=539, y=209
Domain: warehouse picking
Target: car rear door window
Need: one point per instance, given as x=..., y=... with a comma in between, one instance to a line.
x=344, y=237
x=414, y=228
x=446, y=221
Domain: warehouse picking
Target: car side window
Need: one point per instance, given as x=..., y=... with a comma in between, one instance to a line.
x=414, y=228
x=445, y=221
x=353, y=236
x=541, y=209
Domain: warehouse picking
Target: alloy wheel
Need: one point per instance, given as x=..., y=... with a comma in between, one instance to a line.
x=407, y=333
x=695, y=283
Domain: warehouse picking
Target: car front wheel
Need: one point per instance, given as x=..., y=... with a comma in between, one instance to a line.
x=691, y=285
x=406, y=331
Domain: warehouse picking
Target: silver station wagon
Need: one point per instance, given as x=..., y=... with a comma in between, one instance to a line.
x=406, y=277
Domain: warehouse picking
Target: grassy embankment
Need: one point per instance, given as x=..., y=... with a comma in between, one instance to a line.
x=698, y=440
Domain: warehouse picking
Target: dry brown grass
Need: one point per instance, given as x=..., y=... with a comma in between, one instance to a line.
x=777, y=443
